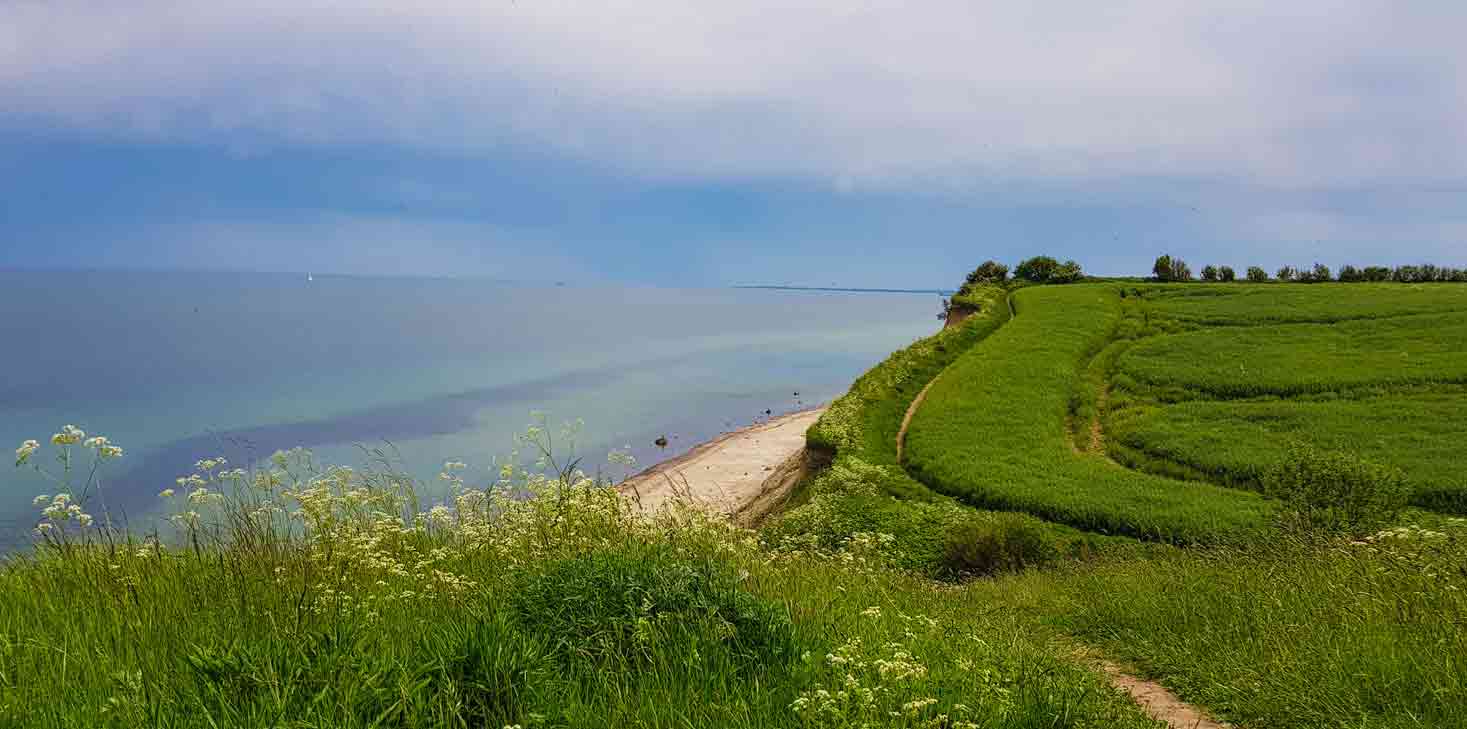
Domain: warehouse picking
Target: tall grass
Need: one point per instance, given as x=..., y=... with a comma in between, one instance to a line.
x=993, y=434
x=1364, y=634
x=1299, y=359
x=864, y=488
x=309, y=596
x=1250, y=304
x=1237, y=442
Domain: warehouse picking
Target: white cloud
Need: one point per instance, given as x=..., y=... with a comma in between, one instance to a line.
x=1312, y=92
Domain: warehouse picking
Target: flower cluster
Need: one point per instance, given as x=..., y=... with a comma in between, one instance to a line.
x=885, y=687
x=69, y=435
x=24, y=452
x=67, y=506
x=103, y=447
x=57, y=511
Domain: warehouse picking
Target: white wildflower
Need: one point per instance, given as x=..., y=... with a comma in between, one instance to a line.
x=23, y=453
x=69, y=435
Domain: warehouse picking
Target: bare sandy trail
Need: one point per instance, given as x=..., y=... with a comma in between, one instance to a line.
x=742, y=474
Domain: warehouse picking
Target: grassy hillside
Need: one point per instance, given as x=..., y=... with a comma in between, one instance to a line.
x=993, y=433
x=1237, y=442
x=865, y=490
x=1249, y=304
x=1298, y=634
x=1299, y=359
x=296, y=597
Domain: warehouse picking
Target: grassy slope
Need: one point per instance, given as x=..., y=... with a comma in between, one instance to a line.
x=1300, y=359
x=1237, y=442
x=1250, y=304
x=854, y=494
x=604, y=623
x=992, y=432
x=864, y=422
x=1300, y=635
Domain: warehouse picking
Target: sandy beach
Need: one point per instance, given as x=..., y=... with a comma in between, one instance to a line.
x=743, y=474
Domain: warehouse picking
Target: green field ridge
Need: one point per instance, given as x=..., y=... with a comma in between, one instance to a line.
x=993, y=433
x=1236, y=442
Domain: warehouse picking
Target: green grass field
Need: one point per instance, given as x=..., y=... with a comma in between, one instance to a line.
x=293, y=594
x=1236, y=442
x=993, y=433
x=865, y=489
x=1298, y=359
x=565, y=610
x=1295, y=635
x=1250, y=304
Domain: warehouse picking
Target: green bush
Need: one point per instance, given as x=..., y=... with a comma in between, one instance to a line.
x=1226, y=274
x=1038, y=269
x=1068, y=272
x=1007, y=543
x=987, y=273
x=1210, y=273
x=1376, y=274
x=1257, y=275
x=1335, y=491
x=624, y=608
x=1169, y=269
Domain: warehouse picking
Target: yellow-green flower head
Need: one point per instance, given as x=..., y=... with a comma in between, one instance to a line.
x=69, y=435
x=23, y=453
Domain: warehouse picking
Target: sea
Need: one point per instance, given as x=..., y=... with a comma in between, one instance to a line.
x=176, y=367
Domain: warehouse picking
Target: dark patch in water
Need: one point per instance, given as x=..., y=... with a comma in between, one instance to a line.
x=136, y=490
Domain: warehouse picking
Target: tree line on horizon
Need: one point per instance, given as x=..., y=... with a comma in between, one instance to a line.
x=1040, y=270
x=1170, y=269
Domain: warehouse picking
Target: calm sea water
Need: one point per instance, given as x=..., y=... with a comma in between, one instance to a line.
x=176, y=367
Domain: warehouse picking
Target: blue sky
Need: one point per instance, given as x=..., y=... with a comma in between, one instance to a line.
x=688, y=143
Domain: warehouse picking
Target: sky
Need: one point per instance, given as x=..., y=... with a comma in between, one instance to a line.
x=692, y=143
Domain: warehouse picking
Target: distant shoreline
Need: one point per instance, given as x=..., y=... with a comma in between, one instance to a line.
x=841, y=289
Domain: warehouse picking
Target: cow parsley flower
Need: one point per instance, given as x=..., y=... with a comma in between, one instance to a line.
x=69, y=435
x=23, y=453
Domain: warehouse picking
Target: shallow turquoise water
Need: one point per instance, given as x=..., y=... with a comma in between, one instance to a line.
x=176, y=367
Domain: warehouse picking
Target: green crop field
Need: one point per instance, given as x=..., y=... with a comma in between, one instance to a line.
x=1245, y=304
x=1236, y=442
x=993, y=433
x=865, y=489
x=1294, y=359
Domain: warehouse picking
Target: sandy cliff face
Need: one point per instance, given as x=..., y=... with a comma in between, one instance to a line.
x=957, y=314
